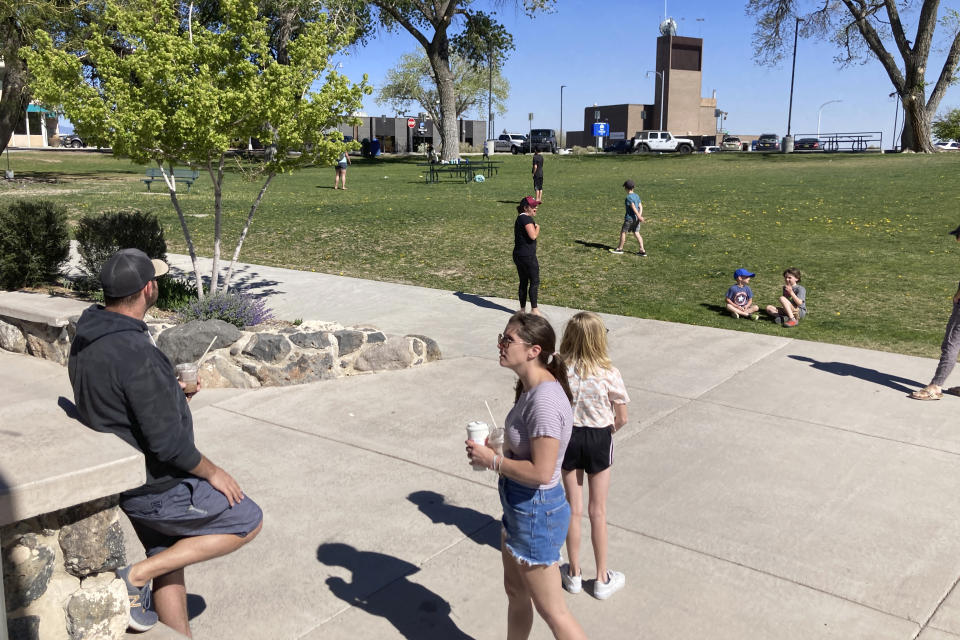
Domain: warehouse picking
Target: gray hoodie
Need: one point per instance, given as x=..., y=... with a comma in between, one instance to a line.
x=123, y=384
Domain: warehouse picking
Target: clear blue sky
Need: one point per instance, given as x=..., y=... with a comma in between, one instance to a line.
x=602, y=50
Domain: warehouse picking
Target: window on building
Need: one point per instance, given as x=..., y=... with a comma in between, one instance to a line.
x=34, y=118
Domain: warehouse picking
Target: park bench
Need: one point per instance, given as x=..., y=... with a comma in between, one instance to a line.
x=464, y=170
x=179, y=175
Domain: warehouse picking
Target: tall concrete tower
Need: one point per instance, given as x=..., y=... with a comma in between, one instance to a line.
x=680, y=60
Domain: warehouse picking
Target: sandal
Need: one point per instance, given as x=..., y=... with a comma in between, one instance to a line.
x=926, y=394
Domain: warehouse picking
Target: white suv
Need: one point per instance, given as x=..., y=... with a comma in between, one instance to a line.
x=511, y=143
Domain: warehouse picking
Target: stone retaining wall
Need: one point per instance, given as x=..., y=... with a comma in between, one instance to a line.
x=261, y=356
x=58, y=580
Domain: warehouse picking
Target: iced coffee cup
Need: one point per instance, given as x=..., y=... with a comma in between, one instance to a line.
x=187, y=374
x=477, y=432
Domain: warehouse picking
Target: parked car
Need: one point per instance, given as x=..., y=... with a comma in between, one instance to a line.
x=512, y=143
x=768, y=142
x=660, y=141
x=543, y=140
x=730, y=143
x=710, y=148
x=619, y=146
x=71, y=140
x=949, y=145
x=808, y=144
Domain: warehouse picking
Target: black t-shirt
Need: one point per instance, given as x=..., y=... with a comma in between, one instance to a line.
x=537, y=165
x=522, y=244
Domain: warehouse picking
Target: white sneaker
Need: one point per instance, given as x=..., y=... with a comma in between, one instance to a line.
x=573, y=584
x=615, y=582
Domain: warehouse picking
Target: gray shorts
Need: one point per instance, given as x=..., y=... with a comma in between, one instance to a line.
x=630, y=226
x=191, y=508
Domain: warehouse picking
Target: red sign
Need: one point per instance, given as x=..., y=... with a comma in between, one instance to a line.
x=411, y=123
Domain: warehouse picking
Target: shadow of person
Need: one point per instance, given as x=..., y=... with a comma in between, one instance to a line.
x=381, y=587
x=481, y=302
x=470, y=521
x=716, y=308
x=852, y=370
x=594, y=245
x=68, y=407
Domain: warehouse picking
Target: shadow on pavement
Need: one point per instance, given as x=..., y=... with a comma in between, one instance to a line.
x=243, y=280
x=413, y=610
x=68, y=407
x=854, y=371
x=195, y=605
x=470, y=521
x=481, y=302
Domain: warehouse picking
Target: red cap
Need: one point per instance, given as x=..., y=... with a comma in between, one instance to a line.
x=529, y=202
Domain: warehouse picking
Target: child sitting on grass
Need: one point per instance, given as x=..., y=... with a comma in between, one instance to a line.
x=793, y=302
x=740, y=297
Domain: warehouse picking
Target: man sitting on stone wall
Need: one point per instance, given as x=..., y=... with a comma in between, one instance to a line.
x=189, y=510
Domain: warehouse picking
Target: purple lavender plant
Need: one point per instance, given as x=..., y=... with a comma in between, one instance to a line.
x=239, y=309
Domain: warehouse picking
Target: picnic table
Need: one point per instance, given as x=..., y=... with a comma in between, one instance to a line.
x=188, y=176
x=465, y=170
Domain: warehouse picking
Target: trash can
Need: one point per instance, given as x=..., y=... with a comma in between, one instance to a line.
x=786, y=146
x=490, y=147
x=375, y=148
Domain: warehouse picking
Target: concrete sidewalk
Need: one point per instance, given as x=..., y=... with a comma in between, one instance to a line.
x=764, y=487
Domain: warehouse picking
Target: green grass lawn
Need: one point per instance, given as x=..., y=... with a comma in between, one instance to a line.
x=867, y=231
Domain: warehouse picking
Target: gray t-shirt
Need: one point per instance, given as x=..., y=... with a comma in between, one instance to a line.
x=543, y=411
x=801, y=293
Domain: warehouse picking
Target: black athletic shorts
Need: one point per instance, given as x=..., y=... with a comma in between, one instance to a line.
x=590, y=449
x=538, y=183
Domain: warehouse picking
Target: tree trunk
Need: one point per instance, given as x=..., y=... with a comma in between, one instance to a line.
x=16, y=93
x=172, y=188
x=916, y=125
x=439, y=55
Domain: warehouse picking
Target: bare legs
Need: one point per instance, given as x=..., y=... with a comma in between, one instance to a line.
x=166, y=570
x=340, y=178
x=785, y=305
x=536, y=587
x=599, y=487
x=623, y=240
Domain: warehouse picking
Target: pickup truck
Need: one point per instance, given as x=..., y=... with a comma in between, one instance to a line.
x=646, y=141
x=511, y=143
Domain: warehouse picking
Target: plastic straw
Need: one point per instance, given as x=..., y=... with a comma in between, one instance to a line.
x=207, y=351
x=492, y=419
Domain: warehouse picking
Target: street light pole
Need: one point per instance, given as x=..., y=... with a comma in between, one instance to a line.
x=659, y=73
x=793, y=73
x=818, y=114
x=562, y=145
x=490, y=132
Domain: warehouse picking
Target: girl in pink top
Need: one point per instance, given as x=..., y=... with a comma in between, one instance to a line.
x=599, y=410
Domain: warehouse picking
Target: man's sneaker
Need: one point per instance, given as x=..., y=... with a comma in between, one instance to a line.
x=615, y=582
x=642, y=254
x=142, y=615
x=790, y=323
x=616, y=251
x=573, y=584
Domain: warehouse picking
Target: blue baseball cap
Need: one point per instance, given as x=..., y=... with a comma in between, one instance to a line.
x=743, y=273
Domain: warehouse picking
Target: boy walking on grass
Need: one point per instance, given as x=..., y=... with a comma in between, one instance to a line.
x=740, y=296
x=631, y=219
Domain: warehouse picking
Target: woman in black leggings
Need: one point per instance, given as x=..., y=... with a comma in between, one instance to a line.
x=525, y=232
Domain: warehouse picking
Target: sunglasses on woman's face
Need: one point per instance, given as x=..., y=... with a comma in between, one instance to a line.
x=505, y=341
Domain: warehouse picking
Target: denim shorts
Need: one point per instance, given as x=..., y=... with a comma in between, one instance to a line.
x=191, y=508
x=535, y=522
x=630, y=225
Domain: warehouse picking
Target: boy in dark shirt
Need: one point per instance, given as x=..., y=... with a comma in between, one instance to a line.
x=740, y=296
x=538, y=176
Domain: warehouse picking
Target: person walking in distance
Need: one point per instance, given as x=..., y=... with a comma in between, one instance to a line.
x=535, y=511
x=525, y=234
x=341, y=171
x=631, y=219
x=189, y=510
x=599, y=411
x=538, y=176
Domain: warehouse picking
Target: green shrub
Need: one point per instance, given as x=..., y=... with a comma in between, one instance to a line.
x=100, y=236
x=174, y=293
x=34, y=243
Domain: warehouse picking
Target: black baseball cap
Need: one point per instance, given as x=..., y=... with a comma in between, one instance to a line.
x=128, y=271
